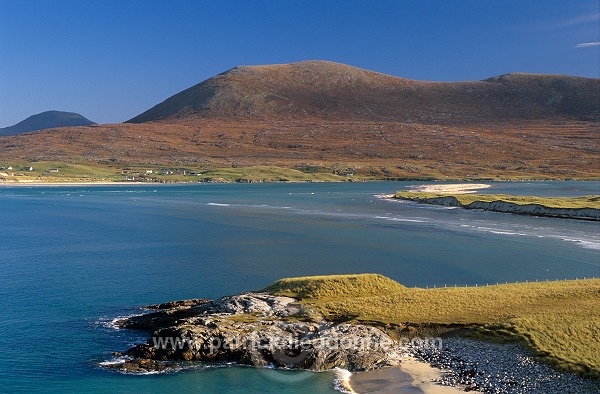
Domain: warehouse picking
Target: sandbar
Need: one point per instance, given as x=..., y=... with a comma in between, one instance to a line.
x=455, y=188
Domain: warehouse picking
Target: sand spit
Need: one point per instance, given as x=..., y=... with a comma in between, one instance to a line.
x=455, y=188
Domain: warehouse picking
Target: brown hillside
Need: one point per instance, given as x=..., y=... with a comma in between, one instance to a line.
x=350, y=120
x=337, y=91
x=384, y=149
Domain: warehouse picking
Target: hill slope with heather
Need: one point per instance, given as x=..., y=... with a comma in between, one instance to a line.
x=331, y=120
x=337, y=91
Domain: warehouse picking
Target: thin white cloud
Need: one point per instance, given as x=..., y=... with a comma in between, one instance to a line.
x=567, y=23
x=579, y=20
x=588, y=44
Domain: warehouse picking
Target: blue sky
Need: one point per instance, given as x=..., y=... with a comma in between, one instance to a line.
x=111, y=60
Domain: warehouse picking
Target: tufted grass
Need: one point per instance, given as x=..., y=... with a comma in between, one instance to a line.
x=333, y=287
x=560, y=321
x=550, y=202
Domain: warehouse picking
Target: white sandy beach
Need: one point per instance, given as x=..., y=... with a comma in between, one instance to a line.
x=455, y=188
x=412, y=376
x=45, y=184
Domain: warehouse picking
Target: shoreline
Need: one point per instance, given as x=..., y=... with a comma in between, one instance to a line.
x=436, y=187
x=579, y=208
x=46, y=184
x=411, y=376
x=455, y=188
x=433, y=188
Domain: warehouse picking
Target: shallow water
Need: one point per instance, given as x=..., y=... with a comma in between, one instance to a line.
x=75, y=257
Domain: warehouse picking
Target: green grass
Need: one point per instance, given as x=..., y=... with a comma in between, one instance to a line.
x=109, y=171
x=560, y=320
x=67, y=172
x=267, y=174
x=334, y=286
x=96, y=172
x=550, y=202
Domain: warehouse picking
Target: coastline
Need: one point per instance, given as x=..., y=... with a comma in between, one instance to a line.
x=463, y=188
x=442, y=189
x=47, y=184
x=455, y=188
x=580, y=208
x=411, y=376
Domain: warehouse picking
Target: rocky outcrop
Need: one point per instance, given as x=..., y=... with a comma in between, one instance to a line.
x=255, y=329
x=508, y=207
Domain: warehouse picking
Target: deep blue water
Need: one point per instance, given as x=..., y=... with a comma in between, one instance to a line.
x=73, y=258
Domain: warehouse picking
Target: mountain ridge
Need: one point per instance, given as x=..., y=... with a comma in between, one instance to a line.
x=46, y=120
x=333, y=90
x=337, y=119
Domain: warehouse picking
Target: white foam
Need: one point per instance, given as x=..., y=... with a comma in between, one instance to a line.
x=394, y=219
x=501, y=231
x=115, y=361
x=122, y=359
x=112, y=323
x=342, y=381
x=217, y=204
x=584, y=243
x=507, y=233
x=407, y=220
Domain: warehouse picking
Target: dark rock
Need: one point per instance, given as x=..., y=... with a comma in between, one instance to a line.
x=179, y=304
x=143, y=366
x=250, y=329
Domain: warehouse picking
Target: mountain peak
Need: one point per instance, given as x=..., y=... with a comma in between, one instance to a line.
x=324, y=89
x=46, y=120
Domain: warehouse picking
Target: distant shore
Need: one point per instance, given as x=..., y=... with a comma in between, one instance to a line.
x=437, y=187
x=456, y=188
x=582, y=208
x=45, y=184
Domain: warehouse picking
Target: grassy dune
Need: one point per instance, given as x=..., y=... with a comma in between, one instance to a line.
x=550, y=202
x=335, y=287
x=560, y=320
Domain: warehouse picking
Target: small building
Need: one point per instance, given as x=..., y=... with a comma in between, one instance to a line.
x=53, y=170
x=148, y=172
x=9, y=168
x=130, y=178
x=27, y=168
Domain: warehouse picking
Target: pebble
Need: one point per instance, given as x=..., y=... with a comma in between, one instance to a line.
x=500, y=369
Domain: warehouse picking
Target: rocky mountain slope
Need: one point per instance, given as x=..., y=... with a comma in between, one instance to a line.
x=337, y=91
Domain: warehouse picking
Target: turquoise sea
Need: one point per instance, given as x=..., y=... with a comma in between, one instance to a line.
x=73, y=258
